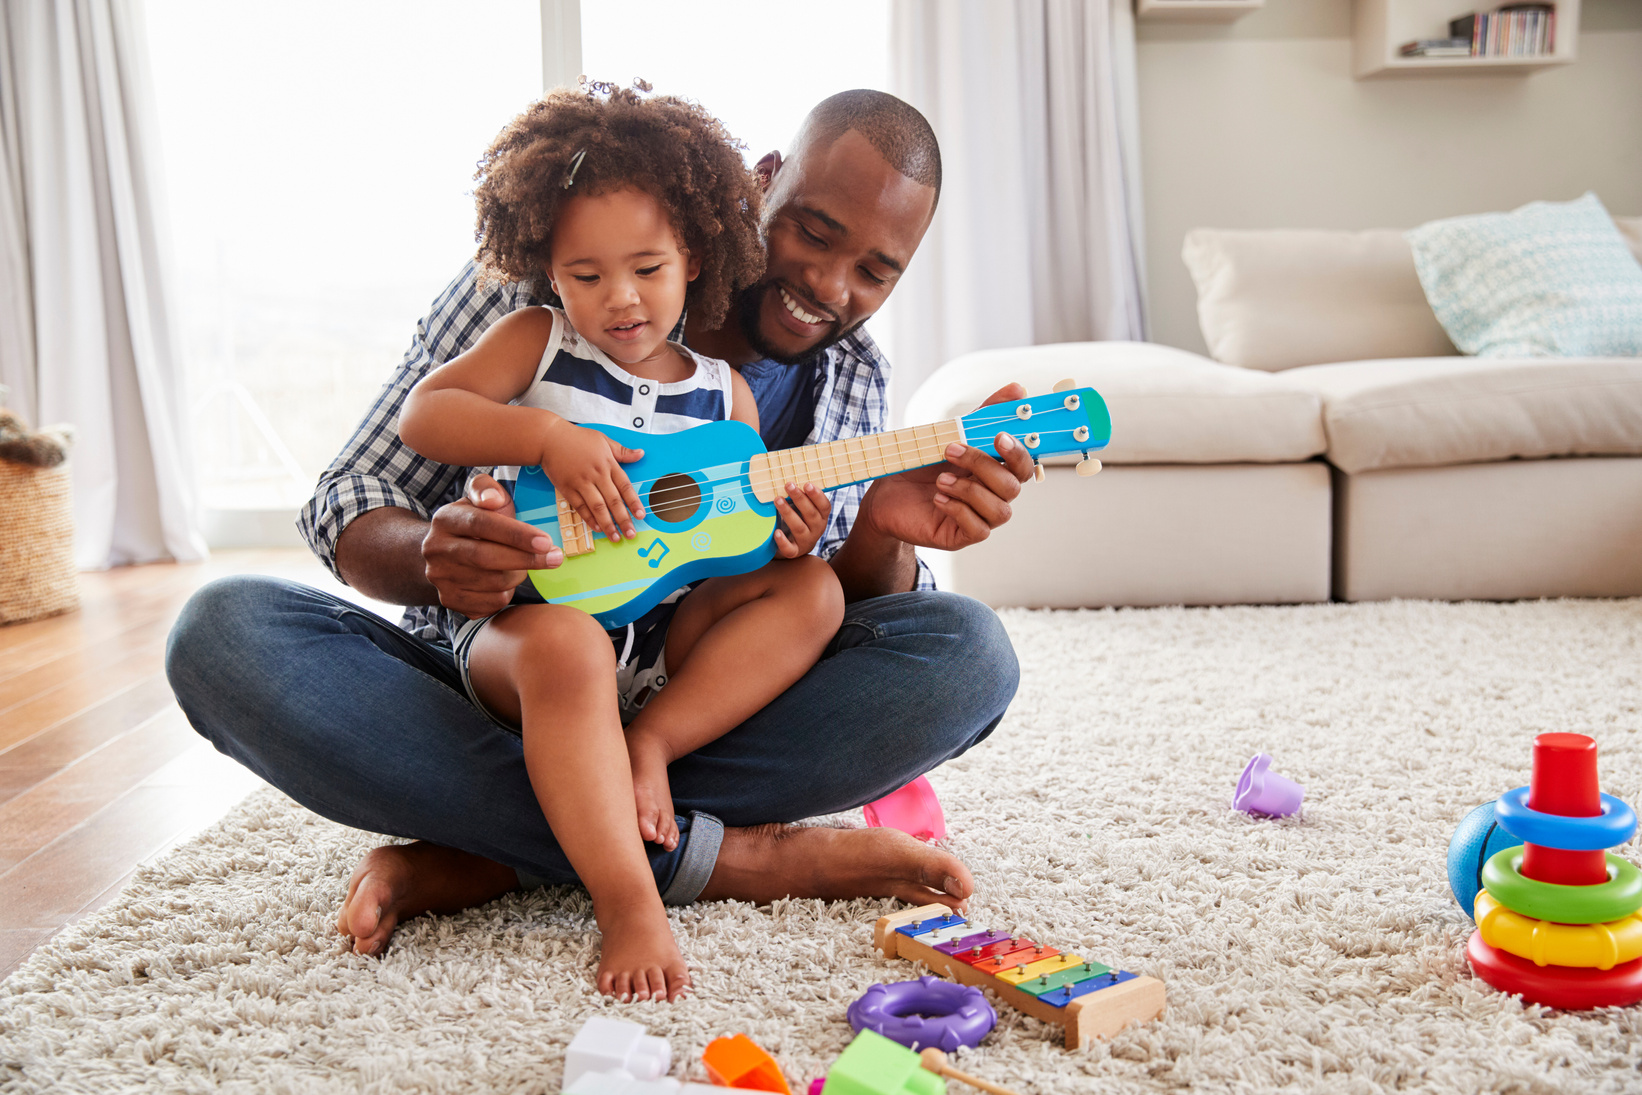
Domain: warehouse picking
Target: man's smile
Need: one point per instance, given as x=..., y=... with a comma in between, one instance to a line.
x=798, y=311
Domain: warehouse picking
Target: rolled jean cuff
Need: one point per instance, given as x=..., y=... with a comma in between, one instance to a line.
x=697, y=855
x=695, y=864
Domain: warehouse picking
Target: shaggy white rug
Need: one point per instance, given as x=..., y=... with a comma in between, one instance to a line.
x=1318, y=953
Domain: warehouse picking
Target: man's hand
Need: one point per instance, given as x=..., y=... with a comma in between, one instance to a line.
x=475, y=552
x=953, y=504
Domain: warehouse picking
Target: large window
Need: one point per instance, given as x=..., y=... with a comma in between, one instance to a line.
x=319, y=161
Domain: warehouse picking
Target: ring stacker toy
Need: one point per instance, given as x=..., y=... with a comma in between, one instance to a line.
x=1262, y=791
x=1084, y=997
x=738, y=1061
x=913, y=809
x=927, y=1012
x=1557, y=920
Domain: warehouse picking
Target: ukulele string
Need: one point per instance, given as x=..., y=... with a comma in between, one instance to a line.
x=668, y=494
x=685, y=488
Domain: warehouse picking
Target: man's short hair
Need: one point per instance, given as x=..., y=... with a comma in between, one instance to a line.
x=895, y=128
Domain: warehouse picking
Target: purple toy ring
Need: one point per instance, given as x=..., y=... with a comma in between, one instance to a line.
x=925, y=1012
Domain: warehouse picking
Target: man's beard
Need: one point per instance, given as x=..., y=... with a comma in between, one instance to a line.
x=750, y=301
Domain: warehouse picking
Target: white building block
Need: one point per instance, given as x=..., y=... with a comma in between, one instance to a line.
x=614, y=1046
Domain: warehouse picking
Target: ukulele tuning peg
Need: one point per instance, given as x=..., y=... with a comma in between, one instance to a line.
x=1088, y=466
x=1037, y=471
x=1065, y=385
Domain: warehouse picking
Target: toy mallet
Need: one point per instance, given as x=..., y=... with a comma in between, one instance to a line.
x=935, y=1061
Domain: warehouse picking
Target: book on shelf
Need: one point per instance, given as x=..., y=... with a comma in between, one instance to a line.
x=1513, y=30
x=1436, y=47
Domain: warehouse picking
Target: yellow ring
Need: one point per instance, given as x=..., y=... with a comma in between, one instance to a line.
x=1544, y=943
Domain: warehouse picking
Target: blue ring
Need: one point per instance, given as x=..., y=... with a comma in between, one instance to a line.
x=1613, y=826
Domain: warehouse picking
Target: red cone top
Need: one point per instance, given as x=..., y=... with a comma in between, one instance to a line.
x=1564, y=780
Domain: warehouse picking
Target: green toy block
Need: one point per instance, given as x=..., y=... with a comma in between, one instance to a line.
x=874, y=1065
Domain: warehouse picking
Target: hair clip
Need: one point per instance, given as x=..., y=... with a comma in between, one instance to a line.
x=575, y=165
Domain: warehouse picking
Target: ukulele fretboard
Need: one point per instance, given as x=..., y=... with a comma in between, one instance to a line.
x=852, y=460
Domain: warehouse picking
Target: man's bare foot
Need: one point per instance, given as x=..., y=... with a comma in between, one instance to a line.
x=767, y=862
x=399, y=881
x=638, y=958
x=651, y=791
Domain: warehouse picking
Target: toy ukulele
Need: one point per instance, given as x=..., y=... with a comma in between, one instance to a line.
x=709, y=494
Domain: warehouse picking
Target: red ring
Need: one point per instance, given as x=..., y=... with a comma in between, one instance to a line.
x=1568, y=987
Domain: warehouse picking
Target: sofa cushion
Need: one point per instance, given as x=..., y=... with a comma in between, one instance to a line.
x=1551, y=279
x=1631, y=229
x=1427, y=412
x=1284, y=298
x=1168, y=406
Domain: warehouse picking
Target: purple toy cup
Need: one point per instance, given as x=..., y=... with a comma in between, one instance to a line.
x=1262, y=791
x=913, y=809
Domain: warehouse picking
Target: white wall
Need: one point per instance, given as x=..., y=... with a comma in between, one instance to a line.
x=1259, y=125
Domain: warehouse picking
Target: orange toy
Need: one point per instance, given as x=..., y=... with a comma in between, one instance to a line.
x=737, y=1061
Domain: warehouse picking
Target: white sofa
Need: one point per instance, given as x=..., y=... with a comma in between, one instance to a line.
x=1336, y=445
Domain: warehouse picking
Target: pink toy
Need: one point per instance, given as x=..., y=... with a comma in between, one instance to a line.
x=913, y=809
x=1262, y=791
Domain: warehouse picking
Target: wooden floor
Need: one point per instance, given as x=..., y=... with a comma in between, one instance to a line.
x=99, y=771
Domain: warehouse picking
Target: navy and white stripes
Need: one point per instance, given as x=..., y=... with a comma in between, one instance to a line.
x=579, y=383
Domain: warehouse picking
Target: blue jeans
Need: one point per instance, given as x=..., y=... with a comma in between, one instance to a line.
x=367, y=725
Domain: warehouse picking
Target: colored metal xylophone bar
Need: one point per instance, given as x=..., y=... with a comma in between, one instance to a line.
x=1087, y=998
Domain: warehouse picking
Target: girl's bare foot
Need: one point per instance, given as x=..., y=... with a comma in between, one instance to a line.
x=638, y=958
x=651, y=791
x=399, y=881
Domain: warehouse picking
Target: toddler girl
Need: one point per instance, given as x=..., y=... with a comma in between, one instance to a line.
x=629, y=208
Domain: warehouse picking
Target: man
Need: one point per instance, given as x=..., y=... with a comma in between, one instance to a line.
x=365, y=722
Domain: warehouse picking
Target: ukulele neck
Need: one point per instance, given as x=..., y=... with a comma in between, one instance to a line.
x=853, y=459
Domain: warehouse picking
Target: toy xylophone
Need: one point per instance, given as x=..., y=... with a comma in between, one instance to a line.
x=1085, y=997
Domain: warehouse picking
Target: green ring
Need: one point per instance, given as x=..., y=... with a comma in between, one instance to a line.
x=1614, y=899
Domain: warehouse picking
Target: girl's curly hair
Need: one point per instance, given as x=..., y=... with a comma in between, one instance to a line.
x=602, y=138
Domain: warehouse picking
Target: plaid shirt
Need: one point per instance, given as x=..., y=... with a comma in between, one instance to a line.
x=376, y=469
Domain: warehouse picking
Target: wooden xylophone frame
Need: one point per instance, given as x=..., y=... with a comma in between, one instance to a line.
x=1100, y=1014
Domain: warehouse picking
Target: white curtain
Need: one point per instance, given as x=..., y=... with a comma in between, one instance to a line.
x=1038, y=235
x=88, y=334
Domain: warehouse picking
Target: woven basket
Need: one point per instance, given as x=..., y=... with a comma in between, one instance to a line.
x=37, y=575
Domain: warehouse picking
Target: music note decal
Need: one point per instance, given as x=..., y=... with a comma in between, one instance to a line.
x=654, y=544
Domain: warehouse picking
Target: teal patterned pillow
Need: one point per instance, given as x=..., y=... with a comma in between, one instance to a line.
x=1552, y=279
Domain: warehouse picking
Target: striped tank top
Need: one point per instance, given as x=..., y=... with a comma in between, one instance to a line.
x=578, y=382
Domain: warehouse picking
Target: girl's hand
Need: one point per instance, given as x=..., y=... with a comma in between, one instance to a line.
x=805, y=513
x=584, y=467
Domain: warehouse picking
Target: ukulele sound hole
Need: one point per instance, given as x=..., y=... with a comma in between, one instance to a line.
x=674, y=498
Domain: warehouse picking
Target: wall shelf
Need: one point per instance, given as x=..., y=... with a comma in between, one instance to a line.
x=1194, y=11
x=1380, y=27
